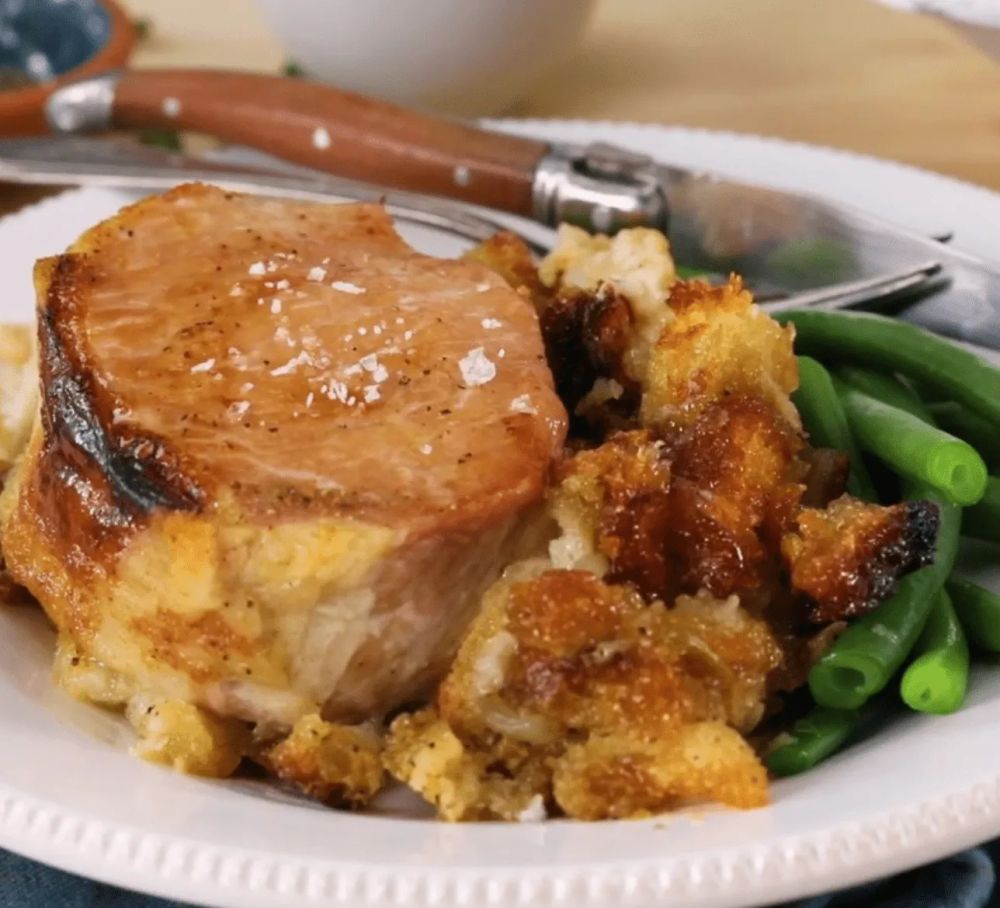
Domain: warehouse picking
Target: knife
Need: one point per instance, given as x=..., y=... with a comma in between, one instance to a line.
x=785, y=239
x=123, y=163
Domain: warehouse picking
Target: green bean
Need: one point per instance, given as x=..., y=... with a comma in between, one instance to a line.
x=979, y=611
x=970, y=427
x=982, y=520
x=912, y=447
x=938, y=678
x=812, y=739
x=824, y=418
x=897, y=346
x=886, y=388
x=864, y=658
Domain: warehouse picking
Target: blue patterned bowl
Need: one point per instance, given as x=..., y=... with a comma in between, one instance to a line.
x=46, y=42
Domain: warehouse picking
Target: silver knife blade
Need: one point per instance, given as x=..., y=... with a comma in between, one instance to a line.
x=795, y=240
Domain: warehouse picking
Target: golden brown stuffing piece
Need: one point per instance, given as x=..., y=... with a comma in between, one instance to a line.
x=846, y=558
x=733, y=471
x=580, y=695
x=613, y=501
x=336, y=764
x=718, y=344
x=586, y=338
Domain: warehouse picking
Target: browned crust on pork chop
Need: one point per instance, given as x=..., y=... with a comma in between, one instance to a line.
x=159, y=427
x=145, y=398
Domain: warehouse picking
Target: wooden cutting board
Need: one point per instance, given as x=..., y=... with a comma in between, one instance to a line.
x=846, y=73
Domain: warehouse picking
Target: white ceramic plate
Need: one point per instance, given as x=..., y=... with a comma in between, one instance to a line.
x=923, y=787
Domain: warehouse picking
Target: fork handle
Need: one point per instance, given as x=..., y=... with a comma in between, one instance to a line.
x=335, y=131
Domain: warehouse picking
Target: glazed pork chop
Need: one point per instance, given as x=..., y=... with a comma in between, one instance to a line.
x=280, y=455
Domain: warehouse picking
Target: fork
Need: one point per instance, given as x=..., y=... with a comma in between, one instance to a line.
x=73, y=161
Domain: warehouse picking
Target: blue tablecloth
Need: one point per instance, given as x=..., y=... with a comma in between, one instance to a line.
x=967, y=880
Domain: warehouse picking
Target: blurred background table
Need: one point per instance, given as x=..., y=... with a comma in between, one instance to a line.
x=849, y=73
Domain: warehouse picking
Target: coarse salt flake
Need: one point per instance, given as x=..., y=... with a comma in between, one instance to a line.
x=522, y=404
x=476, y=368
x=257, y=268
x=236, y=291
x=483, y=287
x=316, y=273
x=490, y=323
x=246, y=387
x=372, y=393
x=282, y=284
x=292, y=364
x=336, y=390
x=204, y=366
x=369, y=362
x=276, y=305
x=347, y=287
x=426, y=449
x=238, y=409
x=380, y=374
x=310, y=397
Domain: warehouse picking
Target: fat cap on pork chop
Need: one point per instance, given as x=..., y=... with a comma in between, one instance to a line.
x=279, y=455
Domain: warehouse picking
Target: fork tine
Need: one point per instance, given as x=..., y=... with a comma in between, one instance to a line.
x=854, y=293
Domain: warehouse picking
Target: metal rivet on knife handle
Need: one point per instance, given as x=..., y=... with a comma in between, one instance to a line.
x=83, y=106
x=599, y=187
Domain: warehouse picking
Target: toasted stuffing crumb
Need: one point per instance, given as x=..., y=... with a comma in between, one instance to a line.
x=337, y=764
x=617, y=777
x=459, y=781
x=636, y=262
x=718, y=342
x=186, y=737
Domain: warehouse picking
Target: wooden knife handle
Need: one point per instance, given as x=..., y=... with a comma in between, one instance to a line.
x=336, y=131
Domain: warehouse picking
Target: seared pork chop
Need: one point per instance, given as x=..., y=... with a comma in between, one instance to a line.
x=279, y=455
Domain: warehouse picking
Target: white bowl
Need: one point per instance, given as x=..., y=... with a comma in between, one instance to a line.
x=466, y=57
